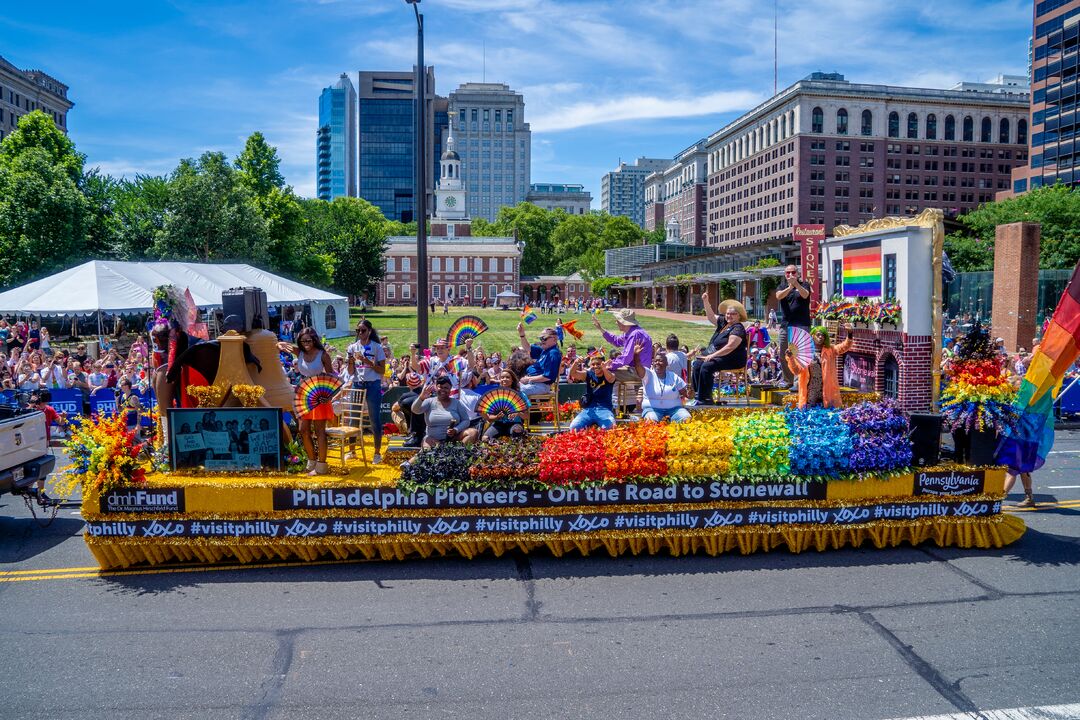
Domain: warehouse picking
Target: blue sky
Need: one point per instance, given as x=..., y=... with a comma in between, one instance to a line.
x=603, y=80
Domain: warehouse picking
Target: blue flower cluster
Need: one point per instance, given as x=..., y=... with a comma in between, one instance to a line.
x=821, y=442
x=879, y=437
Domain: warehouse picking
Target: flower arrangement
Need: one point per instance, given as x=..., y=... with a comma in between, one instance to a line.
x=861, y=310
x=206, y=395
x=295, y=456
x=879, y=437
x=104, y=454
x=565, y=410
x=248, y=395
x=445, y=465
x=761, y=445
x=978, y=394
x=573, y=457
x=820, y=442
x=507, y=461
x=700, y=448
x=636, y=451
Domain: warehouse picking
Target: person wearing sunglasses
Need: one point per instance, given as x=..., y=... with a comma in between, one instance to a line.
x=312, y=359
x=547, y=361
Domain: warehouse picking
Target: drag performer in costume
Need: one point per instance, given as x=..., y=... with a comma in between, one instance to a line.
x=817, y=381
x=312, y=359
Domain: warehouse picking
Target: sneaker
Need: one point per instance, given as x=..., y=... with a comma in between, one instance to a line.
x=411, y=441
x=350, y=456
x=310, y=467
x=376, y=459
x=319, y=469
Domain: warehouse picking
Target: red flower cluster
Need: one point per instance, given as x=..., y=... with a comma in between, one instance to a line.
x=638, y=450
x=573, y=457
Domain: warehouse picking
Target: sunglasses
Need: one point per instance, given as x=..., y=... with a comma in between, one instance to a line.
x=791, y=273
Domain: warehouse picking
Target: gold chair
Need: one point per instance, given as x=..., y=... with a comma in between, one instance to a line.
x=626, y=394
x=740, y=376
x=350, y=432
x=547, y=402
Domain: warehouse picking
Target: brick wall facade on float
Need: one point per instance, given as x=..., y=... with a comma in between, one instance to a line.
x=913, y=355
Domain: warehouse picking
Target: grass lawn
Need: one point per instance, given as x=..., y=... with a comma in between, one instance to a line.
x=399, y=324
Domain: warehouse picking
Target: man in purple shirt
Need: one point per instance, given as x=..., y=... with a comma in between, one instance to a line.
x=632, y=333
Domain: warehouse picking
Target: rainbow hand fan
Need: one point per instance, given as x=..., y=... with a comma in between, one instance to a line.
x=803, y=345
x=502, y=401
x=315, y=391
x=465, y=327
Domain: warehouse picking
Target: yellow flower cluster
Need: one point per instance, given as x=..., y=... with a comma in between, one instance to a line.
x=700, y=448
x=248, y=395
x=207, y=395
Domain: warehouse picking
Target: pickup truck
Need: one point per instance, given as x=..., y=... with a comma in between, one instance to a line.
x=24, y=451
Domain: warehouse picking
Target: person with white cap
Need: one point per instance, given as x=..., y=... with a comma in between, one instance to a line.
x=622, y=367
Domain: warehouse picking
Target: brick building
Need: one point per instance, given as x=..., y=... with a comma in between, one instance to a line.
x=826, y=151
x=535, y=288
x=1055, y=49
x=678, y=193
x=23, y=91
x=459, y=265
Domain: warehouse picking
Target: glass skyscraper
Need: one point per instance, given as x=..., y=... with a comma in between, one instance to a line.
x=335, y=147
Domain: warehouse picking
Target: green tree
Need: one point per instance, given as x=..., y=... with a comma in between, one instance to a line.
x=212, y=215
x=1056, y=208
x=534, y=226
x=655, y=237
x=600, y=286
x=139, y=208
x=44, y=215
x=576, y=244
x=260, y=166
x=351, y=233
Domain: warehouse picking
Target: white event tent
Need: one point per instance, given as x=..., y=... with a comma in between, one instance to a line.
x=116, y=287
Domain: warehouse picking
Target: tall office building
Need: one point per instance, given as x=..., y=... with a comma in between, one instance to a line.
x=23, y=91
x=622, y=191
x=495, y=144
x=826, y=151
x=335, y=146
x=1054, y=147
x=388, y=140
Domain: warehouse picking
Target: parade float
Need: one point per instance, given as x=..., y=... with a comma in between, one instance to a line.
x=743, y=479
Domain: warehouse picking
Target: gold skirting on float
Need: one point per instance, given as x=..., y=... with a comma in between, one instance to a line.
x=993, y=532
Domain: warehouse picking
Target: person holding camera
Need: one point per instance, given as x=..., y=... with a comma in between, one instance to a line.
x=367, y=364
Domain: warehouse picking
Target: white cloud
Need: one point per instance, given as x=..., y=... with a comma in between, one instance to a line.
x=641, y=107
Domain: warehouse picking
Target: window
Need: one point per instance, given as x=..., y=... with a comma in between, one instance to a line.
x=478, y=290
x=478, y=266
x=508, y=265
x=931, y=127
x=969, y=129
x=406, y=264
x=487, y=114
x=463, y=290
x=890, y=375
x=492, y=292
x=509, y=119
x=867, y=122
x=474, y=114
x=1003, y=131
x=461, y=117
x=1021, y=132
x=950, y=127
x=894, y=125
x=436, y=264
x=838, y=277
x=330, y=316
x=435, y=292
x=391, y=292
x=987, y=130
x=389, y=264
x=406, y=291
x=912, y=125
x=817, y=121
x=841, y=122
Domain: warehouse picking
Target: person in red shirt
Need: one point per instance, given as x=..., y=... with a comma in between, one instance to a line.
x=39, y=401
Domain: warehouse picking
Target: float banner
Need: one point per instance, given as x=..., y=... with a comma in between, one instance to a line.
x=452, y=525
x=859, y=371
x=353, y=498
x=950, y=482
x=156, y=500
x=225, y=438
x=809, y=238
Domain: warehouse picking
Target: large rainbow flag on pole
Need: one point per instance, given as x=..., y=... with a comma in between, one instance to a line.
x=1024, y=449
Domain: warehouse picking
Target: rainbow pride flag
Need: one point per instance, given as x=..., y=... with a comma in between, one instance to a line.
x=528, y=315
x=1025, y=448
x=862, y=269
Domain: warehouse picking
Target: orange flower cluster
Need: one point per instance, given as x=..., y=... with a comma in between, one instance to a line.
x=638, y=450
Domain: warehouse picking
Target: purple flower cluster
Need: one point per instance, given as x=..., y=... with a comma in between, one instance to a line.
x=879, y=437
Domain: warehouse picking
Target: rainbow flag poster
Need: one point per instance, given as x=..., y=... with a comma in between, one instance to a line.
x=862, y=269
x=1025, y=447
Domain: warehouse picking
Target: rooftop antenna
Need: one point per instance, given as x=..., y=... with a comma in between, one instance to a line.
x=776, y=45
x=485, y=60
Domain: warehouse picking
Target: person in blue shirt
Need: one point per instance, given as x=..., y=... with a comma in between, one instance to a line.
x=596, y=408
x=547, y=360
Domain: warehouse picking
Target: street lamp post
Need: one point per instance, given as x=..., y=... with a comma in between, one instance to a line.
x=420, y=193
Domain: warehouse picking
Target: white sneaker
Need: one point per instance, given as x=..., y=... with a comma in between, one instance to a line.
x=376, y=459
x=310, y=467
x=350, y=456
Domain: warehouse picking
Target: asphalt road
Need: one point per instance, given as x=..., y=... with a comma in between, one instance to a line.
x=847, y=634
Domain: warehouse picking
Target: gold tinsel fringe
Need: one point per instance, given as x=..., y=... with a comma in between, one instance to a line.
x=113, y=553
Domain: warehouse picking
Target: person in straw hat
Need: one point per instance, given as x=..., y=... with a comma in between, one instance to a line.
x=727, y=348
x=622, y=367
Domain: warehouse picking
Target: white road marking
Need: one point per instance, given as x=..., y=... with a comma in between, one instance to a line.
x=1046, y=712
x=1064, y=452
x=1062, y=487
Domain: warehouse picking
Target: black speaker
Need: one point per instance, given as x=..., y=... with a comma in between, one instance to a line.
x=244, y=309
x=925, y=437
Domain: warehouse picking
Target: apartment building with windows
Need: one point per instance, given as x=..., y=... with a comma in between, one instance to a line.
x=335, y=144
x=574, y=199
x=827, y=151
x=495, y=144
x=1054, y=150
x=23, y=91
x=622, y=191
x=677, y=194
